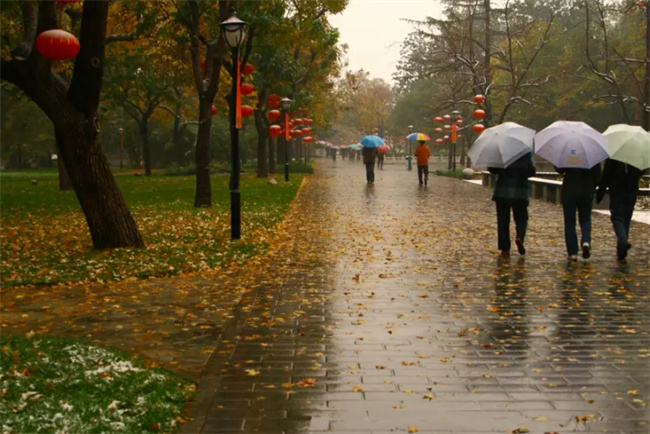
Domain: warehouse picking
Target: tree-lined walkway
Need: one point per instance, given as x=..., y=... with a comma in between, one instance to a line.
x=385, y=309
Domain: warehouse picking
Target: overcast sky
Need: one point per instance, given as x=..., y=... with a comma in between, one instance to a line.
x=375, y=30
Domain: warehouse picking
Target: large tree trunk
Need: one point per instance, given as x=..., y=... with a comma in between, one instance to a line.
x=203, y=196
x=110, y=222
x=73, y=111
x=65, y=183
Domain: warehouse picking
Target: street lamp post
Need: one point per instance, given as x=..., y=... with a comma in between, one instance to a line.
x=233, y=31
x=286, y=103
x=121, y=130
x=408, y=153
x=454, y=129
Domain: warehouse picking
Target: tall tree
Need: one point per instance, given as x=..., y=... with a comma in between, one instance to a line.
x=72, y=106
x=200, y=19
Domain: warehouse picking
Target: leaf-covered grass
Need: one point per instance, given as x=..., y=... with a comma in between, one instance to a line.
x=58, y=385
x=44, y=238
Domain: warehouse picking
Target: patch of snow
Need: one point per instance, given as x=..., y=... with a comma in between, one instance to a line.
x=115, y=367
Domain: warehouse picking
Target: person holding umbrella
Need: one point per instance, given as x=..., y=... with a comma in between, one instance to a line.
x=511, y=193
x=507, y=151
x=577, y=194
x=369, y=153
x=576, y=150
x=629, y=148
x=422, y=154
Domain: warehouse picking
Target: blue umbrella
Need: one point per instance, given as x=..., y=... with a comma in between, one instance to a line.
x=372, y=141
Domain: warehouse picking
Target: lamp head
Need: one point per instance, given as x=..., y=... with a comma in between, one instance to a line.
x=233, y=31
x=286, y=103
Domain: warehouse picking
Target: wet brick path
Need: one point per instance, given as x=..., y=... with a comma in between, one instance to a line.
x=385, y=309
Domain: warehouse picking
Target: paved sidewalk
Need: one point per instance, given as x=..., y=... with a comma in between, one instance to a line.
x=386, y=310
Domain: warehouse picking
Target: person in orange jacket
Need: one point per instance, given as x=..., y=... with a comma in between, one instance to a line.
x=422, y=154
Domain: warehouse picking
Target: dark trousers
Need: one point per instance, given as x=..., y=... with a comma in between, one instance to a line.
x=423, y=172
x=621, y=209
x=583, y=207
x=370, y=172
x=380, y=162
x=520, y=214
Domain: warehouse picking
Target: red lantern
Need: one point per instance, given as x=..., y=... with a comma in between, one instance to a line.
x=248, y=69
x=478, y=128
x=437, y=120
x=246, y=89
x=57, y=44
x=479, y=114
x=445, y=138
x=459, y=122
x=275, y=130
x=307, y=139
x=274, y=100
x=446, y=118
x=479, y=99
x=438, y=130
x=447, y=127
x=273, y=115
x=439, y=142
x=310, y=121
x=306, y=129
x=296, y=133
x=214, y=110
x=202, y=64
x=246, y=110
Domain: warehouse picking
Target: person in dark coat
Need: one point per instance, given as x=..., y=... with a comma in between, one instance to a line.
x=577, y=194
x=369, y=155
x=511, y=193
x=622, y=181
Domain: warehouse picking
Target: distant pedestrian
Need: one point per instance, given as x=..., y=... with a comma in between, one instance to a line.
x=380, y=161
x=577, y=194
x=422, y=154
x=511, y=192
x=369, y=155
x=622, y=180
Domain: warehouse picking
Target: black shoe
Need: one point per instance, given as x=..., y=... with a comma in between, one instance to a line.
x=504, y=254
x=621, y=250
x=520, y=246
x=586, y=250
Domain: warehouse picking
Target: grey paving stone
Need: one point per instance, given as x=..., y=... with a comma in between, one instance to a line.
x=370, y=318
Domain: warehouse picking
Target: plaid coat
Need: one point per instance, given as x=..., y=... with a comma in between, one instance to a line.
x=512, y=182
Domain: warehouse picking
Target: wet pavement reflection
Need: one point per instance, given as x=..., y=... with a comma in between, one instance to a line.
x=385, y=309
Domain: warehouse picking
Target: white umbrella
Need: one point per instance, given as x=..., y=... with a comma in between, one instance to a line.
x=501, y=145
x=571, y=144
x=629, y=144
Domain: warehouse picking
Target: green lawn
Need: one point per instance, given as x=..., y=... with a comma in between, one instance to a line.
x=44, y=238
x=59, y=385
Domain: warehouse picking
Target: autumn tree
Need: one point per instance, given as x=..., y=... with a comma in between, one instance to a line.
x=71, y=102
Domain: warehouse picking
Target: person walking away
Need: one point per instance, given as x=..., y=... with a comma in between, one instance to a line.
x=422, y=154
x=577, y=194
x=511, y=192
x=380, y=161
x=622, y=180
x=369, y=155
